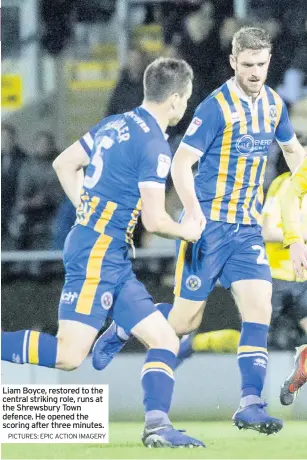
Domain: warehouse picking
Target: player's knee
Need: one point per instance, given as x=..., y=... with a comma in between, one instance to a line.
x=68, y=357
x=186, y=327
x=170, y=343
x=166, y=339
x=185, y=324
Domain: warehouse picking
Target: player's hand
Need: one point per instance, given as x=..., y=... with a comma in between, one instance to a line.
x=198, y=215
x=191, y=229
x=298, y=254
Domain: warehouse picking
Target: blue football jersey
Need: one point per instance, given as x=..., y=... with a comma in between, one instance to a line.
x=126, y=151
x=232, y=136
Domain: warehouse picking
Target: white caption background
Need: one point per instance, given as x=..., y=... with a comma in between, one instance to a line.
x=55, y=413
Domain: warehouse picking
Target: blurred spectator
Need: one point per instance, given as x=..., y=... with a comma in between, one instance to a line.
x=197, y=43
x=221, y=69
x=128, y=92
x=38, y=196
x=12, y=158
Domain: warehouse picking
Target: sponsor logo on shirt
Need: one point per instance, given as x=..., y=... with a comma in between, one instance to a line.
x=245, y=144
x=194, y=125
x=164, y=164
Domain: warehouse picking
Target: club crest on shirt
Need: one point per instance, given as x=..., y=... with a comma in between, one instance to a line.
x=193, y=127
x=164, y=163
x=272, y=112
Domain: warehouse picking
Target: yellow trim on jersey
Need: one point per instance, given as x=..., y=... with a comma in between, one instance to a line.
x=93, y=273
x=278, y=103
x=238, y=105
x=237, y=187
x=105, y=217
x=87, y=207
x=224, y=159
x=179, y=267
x=158, y=365
x=259, y=196
x=266, y=112
x=133, y=221
x=33, y=347
x=249, y=348
x=249, y=191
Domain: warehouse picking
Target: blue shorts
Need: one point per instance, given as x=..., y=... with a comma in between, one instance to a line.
x=228, y=252
x=99, y=282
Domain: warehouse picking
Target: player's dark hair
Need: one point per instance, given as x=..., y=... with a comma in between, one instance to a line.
x=252, y=38
x=164, y=77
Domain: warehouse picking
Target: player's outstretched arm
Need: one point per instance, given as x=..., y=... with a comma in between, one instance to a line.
x=69, y=168
x=183, y=180
x=291, y=219
x=293, y=152
x=156, y=220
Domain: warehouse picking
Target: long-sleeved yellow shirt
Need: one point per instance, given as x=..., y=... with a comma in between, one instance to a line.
x=290, y=206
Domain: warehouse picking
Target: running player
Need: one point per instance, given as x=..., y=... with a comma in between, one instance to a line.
x=293, y=238
x=128, y=162
x=230, y=136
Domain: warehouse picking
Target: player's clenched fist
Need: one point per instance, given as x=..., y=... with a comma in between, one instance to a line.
x=192, y=229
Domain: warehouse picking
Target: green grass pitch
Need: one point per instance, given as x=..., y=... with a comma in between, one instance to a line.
x=222, y=439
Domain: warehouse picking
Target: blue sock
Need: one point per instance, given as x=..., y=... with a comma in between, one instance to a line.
x=158, y=385
x=29, y=347
x=252, y=359
x=164, y=308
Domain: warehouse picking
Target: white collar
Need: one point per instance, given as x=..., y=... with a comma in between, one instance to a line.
x=166, y=136
x=232, y=86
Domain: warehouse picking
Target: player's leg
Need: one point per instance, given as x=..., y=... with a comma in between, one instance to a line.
x=248, y=273
x=134, y=311
x=298, y=375
x=253, y=298
x=66, y=351
x=197, y=270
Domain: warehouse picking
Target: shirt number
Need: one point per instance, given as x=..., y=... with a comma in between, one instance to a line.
x=104, y=143
x=261, y=259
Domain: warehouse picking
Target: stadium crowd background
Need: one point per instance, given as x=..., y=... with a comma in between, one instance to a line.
x=35, y=213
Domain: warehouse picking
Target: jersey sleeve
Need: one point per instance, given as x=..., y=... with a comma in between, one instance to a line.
x=207, y=122
x=87, y=141
x=154, y=164
x=271, y=198
x=284, y=131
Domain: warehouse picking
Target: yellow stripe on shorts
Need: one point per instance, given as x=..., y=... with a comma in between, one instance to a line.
x=93, y=271
x=179, y=267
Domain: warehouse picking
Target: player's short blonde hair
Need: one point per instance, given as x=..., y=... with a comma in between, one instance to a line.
x=252, y=38
x=164, y=77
